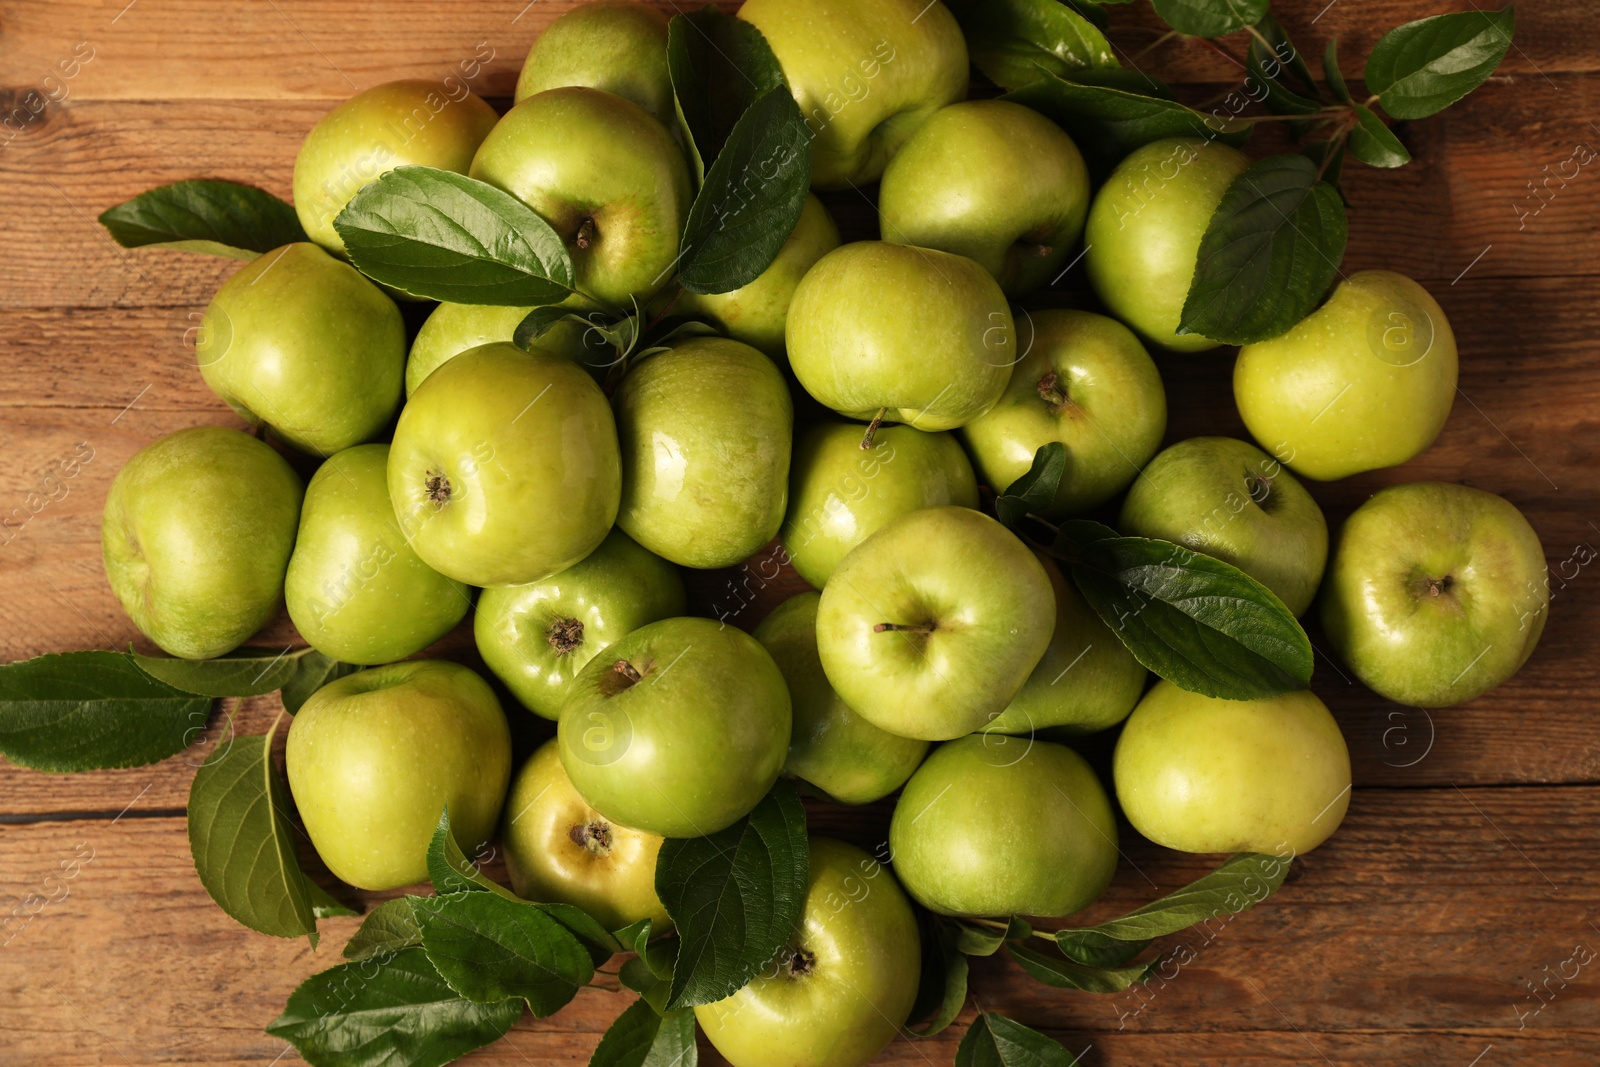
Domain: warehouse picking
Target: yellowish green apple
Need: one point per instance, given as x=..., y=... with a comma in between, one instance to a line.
x=616, y=45
x=451, y=329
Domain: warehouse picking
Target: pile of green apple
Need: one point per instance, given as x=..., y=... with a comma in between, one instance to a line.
x=556, y=494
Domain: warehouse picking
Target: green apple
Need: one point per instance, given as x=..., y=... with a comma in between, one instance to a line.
x=1437, y=593
x=679, y=729
x=1087, y=382
x=930, y=626
x=1087, y=680
x=1144, y=230
x=561, y=851
x=840, y=493
x=924, y=334
x=1202, y=774
x=616, y=45
x=705, y=431
x=396, y=124
x=831, y=747
x=451, y=329
x=196, y=536
x=843, y=987
x=375, y=757
x=537, y=637
x=1229, y=499
x=993, y=181
x=301, y=341
x=356, y=591
x=757, y=312
x=866, y=74
x=504, y=468
x=994, y=825
x=606, y=176
x=1363, y=382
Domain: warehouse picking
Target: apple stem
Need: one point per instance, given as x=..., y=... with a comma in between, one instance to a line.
x=585, y=233
x=628, y=671
x=1050, y=391
x=872, y=428
x=908, y=628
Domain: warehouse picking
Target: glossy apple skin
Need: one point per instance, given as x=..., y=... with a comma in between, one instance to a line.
x=1229, y=499
x=537, y=637
x=1106, y=404
x=196, y=536
x=843, y=989
x=559, y=850
x=995, y=825
x=993, y=181
x=616, y=45
x=986, y=596
x=840, y=493
x=1365, y=381
x=690, y=747
x=1144, y=229
x=396, y=124
x=756, y=313
x=301, y=341
x=602, y=172
x=1437, y=593
x=526, y=448
x=866, y=74
x=706, y=431
x=926, y=334
x=375, y=757
x=451, y=329
x=1201, y=774
x=831, y=747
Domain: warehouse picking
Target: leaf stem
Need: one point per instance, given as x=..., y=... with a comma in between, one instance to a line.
x=1219, y=50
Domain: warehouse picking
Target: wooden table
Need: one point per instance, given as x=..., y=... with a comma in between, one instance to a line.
x=1446, y=925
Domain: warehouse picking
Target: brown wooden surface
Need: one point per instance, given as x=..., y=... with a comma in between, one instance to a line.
x=1464, y=877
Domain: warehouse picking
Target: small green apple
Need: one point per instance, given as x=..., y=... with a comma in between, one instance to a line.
x=196, y=536
x=616, y=45
x=451, y=329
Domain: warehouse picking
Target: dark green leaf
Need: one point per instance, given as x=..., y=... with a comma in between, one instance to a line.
x=1035, y=491
x=1374, y=143
x=538, y=322
x=489, y=948
x=389, y=928
x=1318, y=152
x=719, y=66
x=635, y=974
x=1091, y=10
x=451, y=871
x=942, y=991
x=244, y=672
x=1012, y=40
x=1280, y=73
x=325, y=906
x=1209, y=18
x=217, y=218
x=312, y=671
x=641, y=1038
x=594, y=937
x=975, y=940
x=995, y=1041
x=1073, y=534
x=1064, y=974
x=1335, y=76
x=635, y=936
x=1425, y=66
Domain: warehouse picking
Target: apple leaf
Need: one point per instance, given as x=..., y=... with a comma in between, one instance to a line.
x=244, y=672
x=1278, y=70
x=214, y=217
x=942, y=991
x=85, y=711
x=325, y=906
x=1269, y=254
x=1010, y=41
x=974, y=940
x=600, y=943
x=443, y=236
x=312, y=671
x=1035, y=491
x=1209, y=18
x=390, y=927
x=719, y=65
x=1062, y=973
x=1423, y=67
x=402, y=1013
x=489, y=948
x=1331, y=71
x=995, y=1041
x=640, y=1037
x=1374, y=143
x=451, y=871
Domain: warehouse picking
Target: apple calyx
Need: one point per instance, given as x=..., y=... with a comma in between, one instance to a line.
x=565, y=635
x=594, y=836
x=1259, y=486
x=437, y=487
x=905, y=627
x=1437, y=587
x=872, y=428
x=796, y=962
x=586, y=233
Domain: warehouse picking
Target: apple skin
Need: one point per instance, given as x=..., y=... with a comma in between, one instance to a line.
x=375, y=757
x=504, y=468
x=396, y=124
x=994, y=825
x=451, y=329
x=986, y=596
x=993, y=181
x=559, y=850
x=756, y=313
x=1229, y=499
x=1365, y=381
x=840, y=493
x=1105, y=403
x=1437, y=593
x=301, y=341
x=693, y=744
x=842, y=990
x=196, y=536
x=831, y=746
x=866, y=74
x=615, y=45
x=607, y=177
x=1202, y=774
x=926, y=334
x=706, y=430
x=1144, y=230
x=537, y=637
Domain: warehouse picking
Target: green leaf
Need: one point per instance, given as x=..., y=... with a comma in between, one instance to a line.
x=489, y=948
x=1198, y=622
x=1425, y=66
x=591, y=934
x=1318, y=151
x=1374, y=143
x=635, y=974
x=1209, y=18
x=325, y=906
x=1064, y=974
x=451, y=871
x=995, y=1041
x=244, y=672
x=443, y=236
x=942, y=991
x=735, y=897
x=388, y=928
x=85, y=711
x=975, y=940
x=1010, y=41
x=1335, y=76
x=1073, y=534
x=641, y=1038
x=1091, y=10
x=1277, y=66
x=312, y=671
x=400, y=1014
x=1035, y=491
x=217, y=218
x=1269, y=254
x=719, y=66
x=752, y=197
